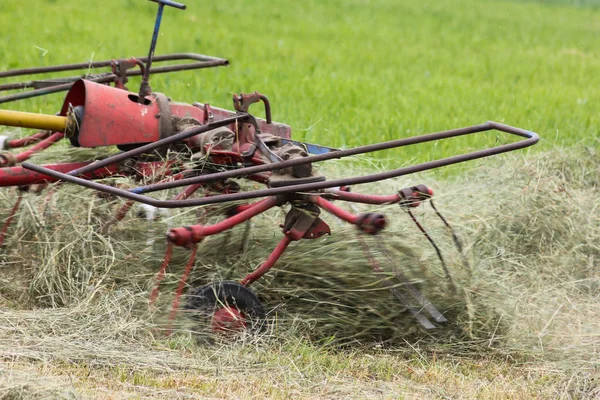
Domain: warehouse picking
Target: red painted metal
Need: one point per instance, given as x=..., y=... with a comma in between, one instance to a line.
x=415, y=196
x=269, y=262
x=274, y=128
x=138, y=120
x=182, y=281
x=228, y=320
x=42, y=145
x=188, y=191
x=29, y=140
x=335, y=210
x=242, y=207
x=161, y=273
x=132, y=119
x=371, y=223
x=318, y=229
x=123, y=210
x=196, y=233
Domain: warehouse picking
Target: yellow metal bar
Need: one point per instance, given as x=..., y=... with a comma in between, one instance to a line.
x=21, y=119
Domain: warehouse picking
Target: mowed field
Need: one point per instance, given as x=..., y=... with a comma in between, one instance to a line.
x=341, y=73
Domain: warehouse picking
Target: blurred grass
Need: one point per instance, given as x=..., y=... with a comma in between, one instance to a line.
x=350, y=72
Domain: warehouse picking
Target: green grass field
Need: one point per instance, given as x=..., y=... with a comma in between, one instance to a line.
x=342, y=73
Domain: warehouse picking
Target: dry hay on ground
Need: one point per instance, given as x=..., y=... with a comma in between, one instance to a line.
x=531, y=229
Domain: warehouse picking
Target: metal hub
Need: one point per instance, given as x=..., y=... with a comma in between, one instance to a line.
x=228, y=320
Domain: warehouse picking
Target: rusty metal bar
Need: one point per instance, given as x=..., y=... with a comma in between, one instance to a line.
x=38, y=92
x=48, y=83
x=19, y=176
x=107, y=63
x=531, y=139
x=104, y=78
x=101, y=78
x=279, y=165
x=159, y=143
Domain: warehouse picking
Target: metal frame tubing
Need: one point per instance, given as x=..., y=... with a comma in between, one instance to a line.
x=362, y=198
x=133, y=194
x=107, y=63
x=531, y=139
x=335, y=210
x=195, y=233
x=269, y=262
x=42, y=145
x=19, y=176
x=29, y=140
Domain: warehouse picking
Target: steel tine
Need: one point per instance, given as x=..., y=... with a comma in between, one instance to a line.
x=415, y=311
x=412, y=289
x=425, y=303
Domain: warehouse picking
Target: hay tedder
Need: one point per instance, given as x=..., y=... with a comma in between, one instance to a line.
x=195, y=147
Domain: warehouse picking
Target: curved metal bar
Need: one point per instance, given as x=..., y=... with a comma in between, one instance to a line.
x=159, y=143
x=531, y=139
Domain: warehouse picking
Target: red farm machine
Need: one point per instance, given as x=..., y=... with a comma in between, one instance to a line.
x=158, y=137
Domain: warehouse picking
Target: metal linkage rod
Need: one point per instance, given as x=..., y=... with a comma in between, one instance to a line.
x=145, y=87
x=362, y=198
x=269, y=262
x=27, y=141
x=196, y=233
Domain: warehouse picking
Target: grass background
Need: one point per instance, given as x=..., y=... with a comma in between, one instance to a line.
x=342, y=73
x=349, y=72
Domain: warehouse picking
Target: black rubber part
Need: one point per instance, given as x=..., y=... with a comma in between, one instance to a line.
x=128, y=147
x=78, y=112
x=205, y=300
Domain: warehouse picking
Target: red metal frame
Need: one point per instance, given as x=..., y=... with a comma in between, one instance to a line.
x=29, y=140
x=196, y=233
x=369, y=223
x=269, y=262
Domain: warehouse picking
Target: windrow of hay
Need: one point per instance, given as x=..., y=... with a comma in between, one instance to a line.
x=530, y=226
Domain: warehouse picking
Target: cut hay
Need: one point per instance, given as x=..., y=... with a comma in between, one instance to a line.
x=74, y=292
